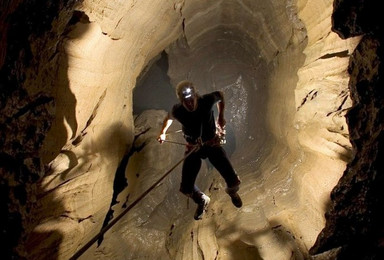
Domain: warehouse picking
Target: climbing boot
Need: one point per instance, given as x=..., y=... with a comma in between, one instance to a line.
x=202, y=206
x=236, y=200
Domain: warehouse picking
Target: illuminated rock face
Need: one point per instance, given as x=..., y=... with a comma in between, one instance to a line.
x=75, y=155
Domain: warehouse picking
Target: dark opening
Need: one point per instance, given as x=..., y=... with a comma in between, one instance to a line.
x=153, y=89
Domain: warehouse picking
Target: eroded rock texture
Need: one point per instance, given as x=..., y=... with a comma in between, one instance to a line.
x=303, y=108
x=354, y=218
x=29, y=37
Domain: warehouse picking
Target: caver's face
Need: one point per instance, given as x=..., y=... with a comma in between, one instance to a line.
x=190, y=103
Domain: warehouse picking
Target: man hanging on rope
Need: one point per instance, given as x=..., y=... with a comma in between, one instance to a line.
x=196, y=115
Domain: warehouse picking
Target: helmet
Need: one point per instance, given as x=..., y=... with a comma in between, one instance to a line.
x=185, y=89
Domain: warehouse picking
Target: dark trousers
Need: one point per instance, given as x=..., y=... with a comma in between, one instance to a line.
x=192, y=164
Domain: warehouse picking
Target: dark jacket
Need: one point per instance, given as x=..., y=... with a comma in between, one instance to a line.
x=201, y=122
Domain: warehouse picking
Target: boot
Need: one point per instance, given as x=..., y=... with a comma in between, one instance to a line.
x=202, y=206
x=236, y=200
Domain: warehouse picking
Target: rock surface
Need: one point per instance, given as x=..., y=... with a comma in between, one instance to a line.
x=304, y=129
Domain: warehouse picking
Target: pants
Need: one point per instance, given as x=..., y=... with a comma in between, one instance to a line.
x=192, y=164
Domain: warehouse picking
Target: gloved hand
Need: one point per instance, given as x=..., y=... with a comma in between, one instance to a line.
x=220, y=125
x=161, y=138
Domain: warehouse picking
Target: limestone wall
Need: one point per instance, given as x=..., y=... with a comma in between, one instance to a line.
x=284, y=74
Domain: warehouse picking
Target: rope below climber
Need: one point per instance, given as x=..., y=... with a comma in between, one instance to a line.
x=115, y=220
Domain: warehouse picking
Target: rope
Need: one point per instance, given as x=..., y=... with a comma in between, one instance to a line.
x=173, y=142
x=174, y=132
x=113, y=222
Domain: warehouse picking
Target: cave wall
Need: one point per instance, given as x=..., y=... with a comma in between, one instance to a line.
x=354, y=217
x=30, y=33
x=74, y=155
x=44, y=117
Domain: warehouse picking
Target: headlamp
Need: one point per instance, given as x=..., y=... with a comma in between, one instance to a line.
x=187, y=92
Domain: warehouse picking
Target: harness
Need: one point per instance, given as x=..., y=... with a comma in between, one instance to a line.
x=217, y=140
